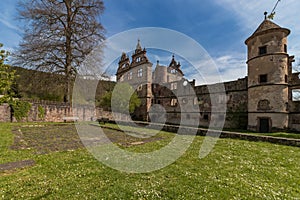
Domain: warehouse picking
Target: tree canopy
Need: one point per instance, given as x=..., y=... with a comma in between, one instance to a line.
x=120, y=100
x=58, y=35
x=7, y=78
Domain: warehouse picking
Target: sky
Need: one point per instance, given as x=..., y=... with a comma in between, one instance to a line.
x=219, y=26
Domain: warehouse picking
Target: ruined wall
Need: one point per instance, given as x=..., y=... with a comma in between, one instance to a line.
x=199, y=98
x=4, y=113
x=56, y=112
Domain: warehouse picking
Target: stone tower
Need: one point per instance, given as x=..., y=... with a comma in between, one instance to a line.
x=268, y=73
x=138, y=73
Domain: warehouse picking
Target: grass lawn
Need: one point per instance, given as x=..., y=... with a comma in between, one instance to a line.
x=63, y=169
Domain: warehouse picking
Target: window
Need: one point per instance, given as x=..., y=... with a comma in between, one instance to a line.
x=139, y=88
x=173, y=71
x=174, y=102
x=173, y=86
x=286, y=78
x=140, y=72
x=262, y=50
x=263, y=78
x=285, y=48
x=129, y=75
x=138, y=59
x=185, y=83
x=222, y=99
x=296, y=95
x=205, y=117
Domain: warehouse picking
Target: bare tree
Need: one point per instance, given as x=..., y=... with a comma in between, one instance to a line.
x=58, y=35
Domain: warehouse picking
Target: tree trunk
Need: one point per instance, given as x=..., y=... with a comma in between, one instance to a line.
x=68, y=68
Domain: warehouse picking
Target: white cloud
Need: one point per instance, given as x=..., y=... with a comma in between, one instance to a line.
x=218, y=69
x=9, y=24
x=250, y=14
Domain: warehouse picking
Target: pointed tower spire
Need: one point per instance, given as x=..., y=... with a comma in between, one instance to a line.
x=138, y=46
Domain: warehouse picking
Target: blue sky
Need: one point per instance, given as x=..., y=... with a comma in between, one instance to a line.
x=220, y=26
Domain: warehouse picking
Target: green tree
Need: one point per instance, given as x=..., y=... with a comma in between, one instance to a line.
x=120, y=99
x=7, y=78
x=19, y=109
x=59, y=35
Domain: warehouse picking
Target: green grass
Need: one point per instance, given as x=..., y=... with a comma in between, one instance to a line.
x=233, y=170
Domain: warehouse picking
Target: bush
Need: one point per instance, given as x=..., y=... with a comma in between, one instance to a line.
x=41, y=112
x=20, y=109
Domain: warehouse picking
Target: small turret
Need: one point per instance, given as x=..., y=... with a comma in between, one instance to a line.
x=268, y=72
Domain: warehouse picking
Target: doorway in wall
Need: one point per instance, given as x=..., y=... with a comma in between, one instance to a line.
x=264, y=125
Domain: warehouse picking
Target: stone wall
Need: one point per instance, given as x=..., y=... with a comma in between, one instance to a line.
x=235, y=97
x=4, y=113
x=56, y=112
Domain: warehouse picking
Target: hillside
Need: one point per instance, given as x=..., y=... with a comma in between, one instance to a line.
x=37, y=85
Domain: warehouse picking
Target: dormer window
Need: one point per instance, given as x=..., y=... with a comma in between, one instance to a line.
x=138, y=59
x=262, y=50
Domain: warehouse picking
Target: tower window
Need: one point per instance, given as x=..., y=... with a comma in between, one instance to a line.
x=129, y=75
x=286, y=78
x=205, y=117
x=263, y=78
x=285, y=48
x=173, y=102
x=173, y=86
x=173, y=71
x=262, y=50
x=140, y=72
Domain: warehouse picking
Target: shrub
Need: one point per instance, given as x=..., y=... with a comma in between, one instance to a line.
x=20, y=109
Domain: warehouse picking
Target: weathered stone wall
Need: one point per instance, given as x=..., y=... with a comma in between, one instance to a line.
x=56, y=112
x=200, y=98
x=4, y=113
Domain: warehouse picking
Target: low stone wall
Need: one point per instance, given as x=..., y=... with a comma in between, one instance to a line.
x=4, y=113
x=56, y=112
x=223, y=134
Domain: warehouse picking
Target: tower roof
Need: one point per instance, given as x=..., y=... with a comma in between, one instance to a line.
x=267, y=26
x=175, y=65
x=138, y=46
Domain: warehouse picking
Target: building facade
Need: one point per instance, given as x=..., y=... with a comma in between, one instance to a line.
x=262, y=101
